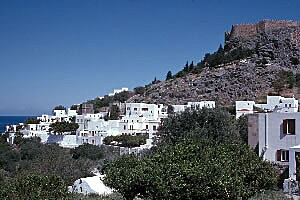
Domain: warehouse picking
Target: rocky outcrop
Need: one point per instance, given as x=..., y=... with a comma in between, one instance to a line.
x=276, y=47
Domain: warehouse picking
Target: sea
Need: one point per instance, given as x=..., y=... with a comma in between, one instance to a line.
x=9, y=120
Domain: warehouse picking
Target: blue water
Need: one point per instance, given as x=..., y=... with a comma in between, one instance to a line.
x=9, y=120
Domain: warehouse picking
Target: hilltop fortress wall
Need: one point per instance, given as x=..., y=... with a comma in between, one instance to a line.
x=245, y=30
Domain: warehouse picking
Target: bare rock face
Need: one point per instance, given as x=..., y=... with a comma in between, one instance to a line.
x=275, y=45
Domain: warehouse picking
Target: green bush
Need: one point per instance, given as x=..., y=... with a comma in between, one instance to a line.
x=34, y=187
x=192, y=170
x=126, y=140
x=61, y=127
x=87, y=151
x=32, y=121
x=216, y=124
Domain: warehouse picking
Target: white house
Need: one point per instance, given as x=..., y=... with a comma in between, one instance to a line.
x=141, y=118
x=118, y=91
x=150, y=111
x=244, y=108
x=194, y=106
x=274, y=133
x=90, y=185
x=93, y=128
x=201, y=104
x=134, y=125
x=60, y=113
x=279, y=104
x=274, y=104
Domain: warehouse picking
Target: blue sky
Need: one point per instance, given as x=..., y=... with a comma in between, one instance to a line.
x=68, y=51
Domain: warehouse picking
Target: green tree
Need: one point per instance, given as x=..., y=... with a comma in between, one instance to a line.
x=170, y=109
x=18, y=139
x=60, y=107
x=35, y=187
x=125, y=181
x=89, y=151
x=74, y=107
x=114, y=113
x=191, y=67
x=154, y=81
x=55, y=160
x=242, y=126
x=192, y=170
x=32, y=121
x=216, y=124
x=139, y=90
x=169, y=75
x=126, y=140
x=62, y=127
x=186, y=67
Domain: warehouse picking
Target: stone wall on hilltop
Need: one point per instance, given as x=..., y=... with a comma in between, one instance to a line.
x=275, y=46
x=246, y=30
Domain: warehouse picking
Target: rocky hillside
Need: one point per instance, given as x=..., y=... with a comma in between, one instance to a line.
x=276, y=48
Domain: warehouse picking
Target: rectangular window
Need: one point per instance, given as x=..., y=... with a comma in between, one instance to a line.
x=289, y=126
x=144, y=109
x=283, y=155
x=147, y=127
x=154, y=128
x=135, y=109
x=128, y=108
x=124, y=127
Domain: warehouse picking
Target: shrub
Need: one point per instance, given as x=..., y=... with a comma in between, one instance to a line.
x=32, y=121
x=61, y=127
x=216, y=124
x=139, y=90
x=35, y=187
x=126, y=140
x=89, y=151
x=192, y=170
x=294, y=61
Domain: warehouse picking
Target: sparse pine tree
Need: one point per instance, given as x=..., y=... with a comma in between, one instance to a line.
x=186, y=67
x=154, y=81
x=191, y=67
x=169, y=75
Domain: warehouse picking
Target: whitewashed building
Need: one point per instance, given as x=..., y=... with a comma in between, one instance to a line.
x=274, y=133
x=141, y=118
x=274, y=104
x=116, y=91
x=279, y=104
x=194, y=106
x=244, y=108
x=90, y=185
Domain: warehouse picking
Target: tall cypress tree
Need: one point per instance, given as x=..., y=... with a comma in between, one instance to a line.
x=169, y=75
x=191, y=67
x=186, y=67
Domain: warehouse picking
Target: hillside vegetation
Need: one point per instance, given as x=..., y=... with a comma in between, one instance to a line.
x=247, y=68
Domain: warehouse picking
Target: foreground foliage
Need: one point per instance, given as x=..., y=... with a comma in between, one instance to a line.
x=192, y=170
x=88, y=151
x=200, y=155
x=35, y=187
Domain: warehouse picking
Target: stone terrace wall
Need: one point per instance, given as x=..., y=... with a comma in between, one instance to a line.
x=245, y=30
